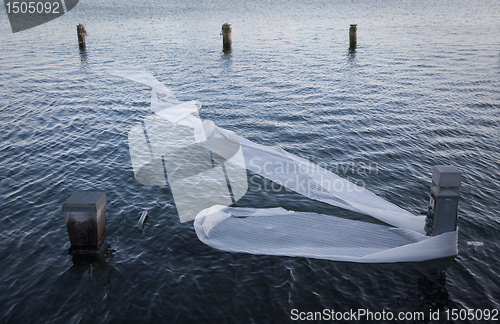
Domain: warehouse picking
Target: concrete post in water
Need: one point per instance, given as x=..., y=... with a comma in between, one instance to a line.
x=442, y=212
x=353, y=38
x=81, y=32
x=227, y=38
x=85, y=217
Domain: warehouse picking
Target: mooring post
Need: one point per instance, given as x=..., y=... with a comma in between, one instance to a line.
x=442, y=212
x=85, y=216
x=81, y=32
x=227, y=38
x=353, y=41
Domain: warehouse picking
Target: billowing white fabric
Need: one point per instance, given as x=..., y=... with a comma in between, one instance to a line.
x=276, y=231
x=213, y=158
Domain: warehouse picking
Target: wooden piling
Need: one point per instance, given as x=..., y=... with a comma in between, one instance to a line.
x=81, y=32
x=353, y=36
x=85, y=216
x=227, y=38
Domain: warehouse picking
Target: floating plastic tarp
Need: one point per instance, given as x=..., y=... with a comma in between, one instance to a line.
x=276, y=231
x=206, y=170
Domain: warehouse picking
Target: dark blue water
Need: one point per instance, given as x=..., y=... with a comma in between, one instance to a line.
x=420, y=89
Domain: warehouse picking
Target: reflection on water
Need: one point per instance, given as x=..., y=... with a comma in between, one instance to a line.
x=433, y=287
x=94, y=261
x=351, y=52
x=83, y=56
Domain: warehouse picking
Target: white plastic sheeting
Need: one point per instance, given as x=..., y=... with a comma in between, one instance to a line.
x=200, y=157
x=276, y=231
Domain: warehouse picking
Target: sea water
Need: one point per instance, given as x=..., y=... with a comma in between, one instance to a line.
x=420, y=89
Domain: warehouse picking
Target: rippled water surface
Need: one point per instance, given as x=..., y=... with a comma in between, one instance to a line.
x=420, y=89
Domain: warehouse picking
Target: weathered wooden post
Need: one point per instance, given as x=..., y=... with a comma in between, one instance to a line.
x=85, y=217
x=353, y=36
x=81, y=32
x=227, y=38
